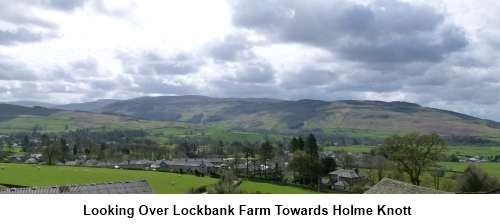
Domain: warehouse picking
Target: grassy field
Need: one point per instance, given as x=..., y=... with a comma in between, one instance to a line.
x=485, y=151
x=163, y=183
x=266, y=188
x=351, y=148
x=491, y=168
x=474, y=150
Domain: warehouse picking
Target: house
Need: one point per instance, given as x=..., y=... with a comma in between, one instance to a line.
x=138, y=164
x=201, y=166
x=127, y=187
x=31, y=161
x=15, y=159
x=90, y=162
x=74, y=163
x=345, y=180
x=390, y=186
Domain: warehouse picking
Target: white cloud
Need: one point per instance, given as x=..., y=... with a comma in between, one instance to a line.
x=72, y=51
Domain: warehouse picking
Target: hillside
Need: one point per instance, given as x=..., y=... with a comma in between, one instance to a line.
x=9, y=111
x=89, y=106
x=372, y=119
x=302, y=115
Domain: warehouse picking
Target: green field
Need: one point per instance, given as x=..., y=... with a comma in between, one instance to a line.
x=161, y=182
x=31, y=175
x=475, y=150
x=266, y=188
x=491, y=168
x=485, y=151
x=351, y=148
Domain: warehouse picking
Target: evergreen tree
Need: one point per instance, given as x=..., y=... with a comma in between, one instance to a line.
x=266, y=153
x=311, y=146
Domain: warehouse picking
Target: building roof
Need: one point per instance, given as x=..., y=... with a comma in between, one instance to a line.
x=390, y=186
x=345, y=173
x=126, y=187
x=189, y=162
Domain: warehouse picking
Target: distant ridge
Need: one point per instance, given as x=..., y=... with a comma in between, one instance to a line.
x=285, y=116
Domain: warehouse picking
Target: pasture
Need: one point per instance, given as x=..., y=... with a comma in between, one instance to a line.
x=34, y=175
x=252, y=187
x=161, y=182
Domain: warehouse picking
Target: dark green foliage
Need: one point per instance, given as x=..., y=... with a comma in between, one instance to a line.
x=328, y=164
x=311, y=146
x=305, y=161
x=414, y=153
x=476, y=180
x=266, y=153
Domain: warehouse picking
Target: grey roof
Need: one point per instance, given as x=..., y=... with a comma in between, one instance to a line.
x=390, y=186
x=126, y=187
x=345, y=173
x=189, y=162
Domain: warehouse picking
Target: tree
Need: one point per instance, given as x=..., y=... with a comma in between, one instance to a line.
x=75, y=150
x=476, y=180
x=26, y=143
x=48, y=150
x=226, y=184
x=328, y=164
x=414, y=153
x=346, y=160
x=266, y=153
x=311, y=146
x=298, y=165
x=249, y=151
x=64, y=149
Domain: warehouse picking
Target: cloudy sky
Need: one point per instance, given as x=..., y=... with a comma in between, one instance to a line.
x=440, y=53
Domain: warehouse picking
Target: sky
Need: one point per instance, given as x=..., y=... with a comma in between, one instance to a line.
x=440, y=53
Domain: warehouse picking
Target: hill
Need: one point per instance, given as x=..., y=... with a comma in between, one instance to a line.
x=304, y=115
x=9, y=111
x=88, y=106
x=366, y=119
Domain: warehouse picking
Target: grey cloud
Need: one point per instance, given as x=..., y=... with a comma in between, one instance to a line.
x=152, y=63
x=255, y=73
x=154, y=85
x=14, y=70
x=231, y=88
x=65, y=5
x=20, y=36
x=231, y=48
x=308, y=77
x=27, y=28
x=387, y=31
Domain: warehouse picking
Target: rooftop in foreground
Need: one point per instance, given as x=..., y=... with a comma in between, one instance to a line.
x=126, y=187
x=390, y=186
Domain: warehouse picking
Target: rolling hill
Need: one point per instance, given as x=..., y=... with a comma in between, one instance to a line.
x=365, y=118
x=301, y=115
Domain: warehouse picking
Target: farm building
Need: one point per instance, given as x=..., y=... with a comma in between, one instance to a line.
x=345, y=180
x=390, y=186
x=127, y=187
x=201, y=166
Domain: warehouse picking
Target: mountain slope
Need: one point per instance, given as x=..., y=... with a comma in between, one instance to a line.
x=32, y=104
x=295, y=116
x=8, y=111
x=88, y=106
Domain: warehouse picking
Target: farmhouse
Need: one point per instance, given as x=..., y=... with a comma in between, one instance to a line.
x=127, y=187
x=344, y=180
x=390, y=186
x=201, y=166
